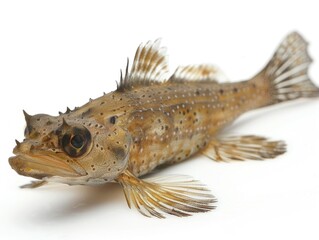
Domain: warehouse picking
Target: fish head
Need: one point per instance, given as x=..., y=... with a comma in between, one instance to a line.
x=71, y=150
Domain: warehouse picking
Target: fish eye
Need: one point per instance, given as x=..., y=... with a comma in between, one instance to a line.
x=76, y=141
x=113, y=119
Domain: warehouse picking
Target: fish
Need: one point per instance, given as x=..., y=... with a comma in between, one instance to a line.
x=154, y=118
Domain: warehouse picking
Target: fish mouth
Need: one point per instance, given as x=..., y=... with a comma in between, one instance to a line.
x=42, y=166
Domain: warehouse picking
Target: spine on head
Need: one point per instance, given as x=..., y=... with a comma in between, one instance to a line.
x=286, y=75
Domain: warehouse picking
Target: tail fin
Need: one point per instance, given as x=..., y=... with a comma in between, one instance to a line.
x=286, y=75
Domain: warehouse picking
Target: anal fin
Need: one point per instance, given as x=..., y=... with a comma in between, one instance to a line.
x=242, y=148
x=175, y=195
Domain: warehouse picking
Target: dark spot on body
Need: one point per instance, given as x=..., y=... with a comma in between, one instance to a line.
x=113, y=119
x=48, y=122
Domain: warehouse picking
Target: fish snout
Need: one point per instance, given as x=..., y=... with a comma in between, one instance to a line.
x=25, y=147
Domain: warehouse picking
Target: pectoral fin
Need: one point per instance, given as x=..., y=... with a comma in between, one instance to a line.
x=176, y=195
x=244, y=148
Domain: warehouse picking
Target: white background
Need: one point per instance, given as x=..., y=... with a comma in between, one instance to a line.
x=59, y=53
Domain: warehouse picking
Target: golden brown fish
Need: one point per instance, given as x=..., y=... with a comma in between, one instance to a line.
x=153, y=119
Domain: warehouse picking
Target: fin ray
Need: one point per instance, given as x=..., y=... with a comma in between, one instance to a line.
x=202, y=72
x=175, y=195
x=242, y=148
x=288, y=70
x=150, y=66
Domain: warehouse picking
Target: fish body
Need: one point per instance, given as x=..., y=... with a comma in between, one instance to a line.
x=171, y=122
x=153, y=119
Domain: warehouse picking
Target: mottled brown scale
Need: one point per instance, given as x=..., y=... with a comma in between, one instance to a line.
x=153, y=119
x=177, y=121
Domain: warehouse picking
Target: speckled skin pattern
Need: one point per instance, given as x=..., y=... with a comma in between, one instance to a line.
x=170, y=122
x=156, y=118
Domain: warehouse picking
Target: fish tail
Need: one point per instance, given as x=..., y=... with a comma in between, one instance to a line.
x=285, y=77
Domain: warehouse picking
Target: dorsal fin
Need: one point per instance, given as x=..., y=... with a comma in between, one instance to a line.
x=203, y=72
x=150, y=66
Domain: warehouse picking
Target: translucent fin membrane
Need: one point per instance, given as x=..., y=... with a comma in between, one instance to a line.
x=175, y=195
x=244, y=148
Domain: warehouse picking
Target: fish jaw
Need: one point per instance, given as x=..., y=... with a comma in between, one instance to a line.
x=40, y=167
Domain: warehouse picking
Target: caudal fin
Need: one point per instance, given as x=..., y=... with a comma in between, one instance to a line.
x=286, y=75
